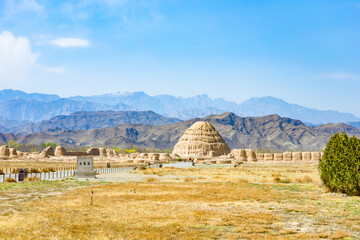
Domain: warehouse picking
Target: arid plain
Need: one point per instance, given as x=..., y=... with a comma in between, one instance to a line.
x=251, y=201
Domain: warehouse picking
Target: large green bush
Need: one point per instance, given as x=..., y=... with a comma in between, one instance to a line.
x=340, y=165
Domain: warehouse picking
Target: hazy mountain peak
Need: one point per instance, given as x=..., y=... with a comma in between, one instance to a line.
x=260, y=106
x=265, y=100
x=170, y=106
x=10, y=94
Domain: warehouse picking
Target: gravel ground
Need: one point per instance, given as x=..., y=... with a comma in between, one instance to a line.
x=121, y=177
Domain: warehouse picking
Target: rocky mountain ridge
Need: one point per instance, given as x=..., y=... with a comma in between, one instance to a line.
x=269, y=132
x=82, y=120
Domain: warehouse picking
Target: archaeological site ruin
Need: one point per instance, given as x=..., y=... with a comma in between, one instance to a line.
x=201, y=140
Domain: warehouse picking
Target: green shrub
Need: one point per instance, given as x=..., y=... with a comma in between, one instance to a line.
x=49, y=144
x=340, y=166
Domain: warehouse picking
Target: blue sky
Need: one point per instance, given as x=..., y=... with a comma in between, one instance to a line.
x=305, y=52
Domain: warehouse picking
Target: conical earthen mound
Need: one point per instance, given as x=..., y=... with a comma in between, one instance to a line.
x=201, y=140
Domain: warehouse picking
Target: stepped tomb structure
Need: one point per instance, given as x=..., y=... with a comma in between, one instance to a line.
x=201, y=140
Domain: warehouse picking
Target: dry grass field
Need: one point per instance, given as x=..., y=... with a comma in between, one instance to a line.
x=252, y=201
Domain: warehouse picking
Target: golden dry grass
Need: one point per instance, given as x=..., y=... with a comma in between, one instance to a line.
x=254, y=173
x=196, y=203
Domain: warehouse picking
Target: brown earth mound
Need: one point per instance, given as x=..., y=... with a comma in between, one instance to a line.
x=4, y=151
x=60, y=151
x=201, y=140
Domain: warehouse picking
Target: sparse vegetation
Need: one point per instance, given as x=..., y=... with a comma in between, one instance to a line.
x=305, y=179
x=14, y=144
x=139, y=149
x=32, y=179
x=49, y=144
x=205, y=202
x=282, y=180
x=10, y=180
x=151, y=179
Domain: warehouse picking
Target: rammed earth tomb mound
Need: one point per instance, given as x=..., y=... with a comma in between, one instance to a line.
x=201, y=140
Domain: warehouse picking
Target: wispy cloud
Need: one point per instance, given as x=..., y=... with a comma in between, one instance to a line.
x=15, y=7
x=137, y=15
x=71, y=42
x=31, y=5
x=338, y=76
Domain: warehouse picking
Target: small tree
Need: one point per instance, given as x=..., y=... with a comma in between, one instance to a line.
x=340, y=166
x=49, y=144
x=12, y=144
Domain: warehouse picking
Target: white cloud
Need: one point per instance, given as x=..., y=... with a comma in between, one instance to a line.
x=338, y=76
x=18, y=63
x=15, y=55
x=71, y=42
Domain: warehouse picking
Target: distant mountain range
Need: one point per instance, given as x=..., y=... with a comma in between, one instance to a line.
x=92, y=120
x=354, y=124
x=268, y=132
x=20, y=106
